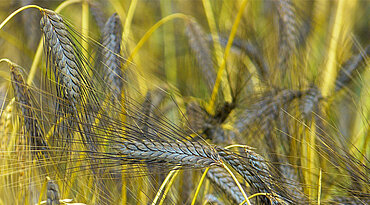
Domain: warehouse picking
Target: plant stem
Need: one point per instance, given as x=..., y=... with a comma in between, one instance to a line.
x=16, y=12
x=211, y=105
x=330, y=70
x=198, y=187
x=165, y=182
x=85, y=27
x=128, y=21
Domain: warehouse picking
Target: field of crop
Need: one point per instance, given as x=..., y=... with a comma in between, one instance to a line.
x=184, y=102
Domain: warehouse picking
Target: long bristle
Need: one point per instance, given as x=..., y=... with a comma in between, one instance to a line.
x=114, y=113
x=35, y=136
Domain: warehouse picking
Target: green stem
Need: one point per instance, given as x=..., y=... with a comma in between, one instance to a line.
x=165, y=182
x=199, y=185
x=211, y=105
x=154, y=28
x=18, y=11
x=85, y=27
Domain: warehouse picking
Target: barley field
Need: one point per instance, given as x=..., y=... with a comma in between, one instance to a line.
x=184, y=102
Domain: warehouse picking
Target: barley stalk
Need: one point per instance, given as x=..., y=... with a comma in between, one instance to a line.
x=330, y=70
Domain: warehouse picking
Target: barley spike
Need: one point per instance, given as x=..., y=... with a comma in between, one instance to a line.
x=52, y=193
x=224, y=182
x=287, y=29
x=184, y=154
x=256, y=172
x=198, y=43
x=352, y=67
x=111, y=42
x=22, y=97
x=61, y=48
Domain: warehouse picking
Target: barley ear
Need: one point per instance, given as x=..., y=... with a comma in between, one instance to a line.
x=199, y=45
x=354, y=66
x=184, y=154
x=111, y=42
x=225, y=183
x=64, y=60
x=258, y=175
x=31, y=125
x=52, y=193
x=288, y=33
